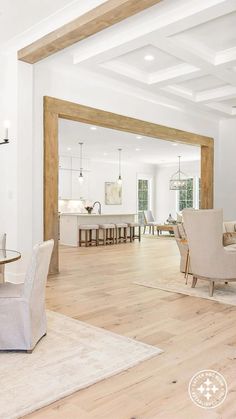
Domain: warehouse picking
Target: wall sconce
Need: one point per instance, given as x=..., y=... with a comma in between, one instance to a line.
x=6, y=139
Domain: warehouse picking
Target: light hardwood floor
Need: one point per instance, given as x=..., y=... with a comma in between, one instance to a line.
x=96, y=286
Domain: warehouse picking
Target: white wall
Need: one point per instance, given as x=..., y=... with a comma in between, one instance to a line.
x=100, y=172
x=225, y=169
x=166, y=199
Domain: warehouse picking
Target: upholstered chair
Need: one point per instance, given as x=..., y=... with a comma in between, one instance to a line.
x=2, y=246
x=22, y=306
x=210, y=260
x=149, y=221
x=182, y=243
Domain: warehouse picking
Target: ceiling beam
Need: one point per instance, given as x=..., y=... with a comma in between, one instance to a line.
x=97, y=19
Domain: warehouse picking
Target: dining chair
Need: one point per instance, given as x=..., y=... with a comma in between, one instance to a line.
x=182, y=243
x=149, y=221
x=3, y=237
x=210, y=260
x=22, y=306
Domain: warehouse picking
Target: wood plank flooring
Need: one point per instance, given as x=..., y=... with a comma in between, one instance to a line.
x=96, y=286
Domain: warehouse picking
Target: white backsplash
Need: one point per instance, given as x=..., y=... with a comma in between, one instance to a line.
x=67, y=205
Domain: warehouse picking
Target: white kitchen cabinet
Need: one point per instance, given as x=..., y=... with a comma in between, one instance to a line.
x=75, y=163
x=69, y=185
x=65, y=162
x=65, y=184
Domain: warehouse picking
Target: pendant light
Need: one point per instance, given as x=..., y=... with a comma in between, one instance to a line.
x=81, y=177
x=119, y=181
x=6, y=139
x=178, y=180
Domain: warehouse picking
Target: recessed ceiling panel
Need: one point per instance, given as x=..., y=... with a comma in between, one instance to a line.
x=229, y=102
x=202, y=83
x=218, y=34
x=149, y=59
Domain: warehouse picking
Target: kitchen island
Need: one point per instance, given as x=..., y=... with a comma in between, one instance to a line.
x=69, y=224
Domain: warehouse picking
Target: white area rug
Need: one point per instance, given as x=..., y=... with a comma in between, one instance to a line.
x=175, y=282
x=72, y=356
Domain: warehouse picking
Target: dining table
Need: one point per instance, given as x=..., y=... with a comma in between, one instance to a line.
x=8, y=256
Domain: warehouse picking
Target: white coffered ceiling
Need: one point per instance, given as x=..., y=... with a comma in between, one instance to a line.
x=192, y=44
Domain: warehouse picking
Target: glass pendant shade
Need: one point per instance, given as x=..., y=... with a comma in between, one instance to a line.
x=119, y=180
x=81, y=177
x=178, y=180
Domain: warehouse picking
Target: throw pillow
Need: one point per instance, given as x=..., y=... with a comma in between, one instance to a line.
x=229, y=238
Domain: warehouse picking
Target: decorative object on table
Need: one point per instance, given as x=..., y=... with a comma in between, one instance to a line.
x=6, y=139
x=178, y=180
x=119, y=181
x=113, y=193
x=89, y=209
x=81, y=177
x=171, y=220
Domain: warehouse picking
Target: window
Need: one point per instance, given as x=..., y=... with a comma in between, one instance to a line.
x=143, y=198
x=186, y=196
x=191, y=196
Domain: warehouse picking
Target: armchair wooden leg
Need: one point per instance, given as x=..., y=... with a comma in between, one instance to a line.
x=211, y=288
x=139, y=234
x=187, y=268
x=194, y=282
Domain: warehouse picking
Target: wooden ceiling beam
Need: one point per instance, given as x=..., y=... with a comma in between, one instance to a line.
x=92, y=22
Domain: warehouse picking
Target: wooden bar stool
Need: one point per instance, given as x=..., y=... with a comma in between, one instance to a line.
x=87, y=231
x=132, y=231
x=108, y=234
x=119, y=237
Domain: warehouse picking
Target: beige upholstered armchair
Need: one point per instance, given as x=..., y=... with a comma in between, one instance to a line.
x=2, y=246
x=182, y=244
x=22, y=306
x=210, y=260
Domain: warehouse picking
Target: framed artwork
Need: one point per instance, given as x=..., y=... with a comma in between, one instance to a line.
x=113, y=193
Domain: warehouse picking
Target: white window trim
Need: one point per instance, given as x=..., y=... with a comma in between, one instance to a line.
x=195, y=194
x=150, y=189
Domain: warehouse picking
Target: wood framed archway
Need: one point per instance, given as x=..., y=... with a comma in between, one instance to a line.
x=57, y=108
